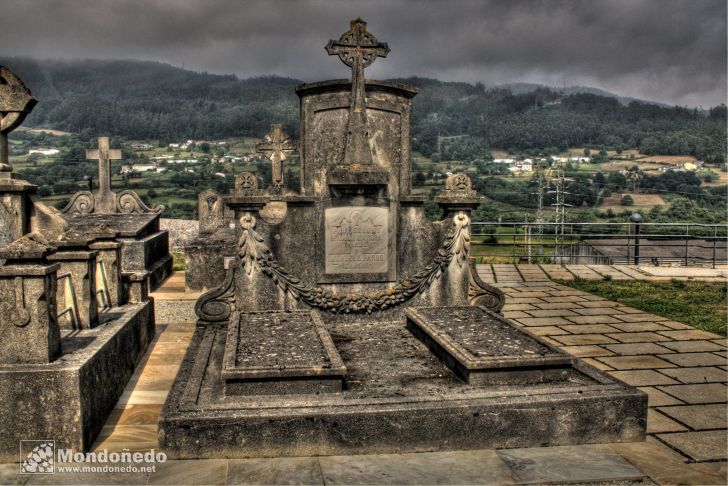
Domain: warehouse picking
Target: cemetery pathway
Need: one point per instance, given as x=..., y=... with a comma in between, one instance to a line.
x=502, y=273
x=682, y=370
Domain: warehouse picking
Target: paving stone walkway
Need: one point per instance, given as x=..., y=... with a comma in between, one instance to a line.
x=508, y=272
x=682, y=370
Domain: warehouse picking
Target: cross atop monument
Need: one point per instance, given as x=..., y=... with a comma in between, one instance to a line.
x=358, y=49
x=105, y=199
x=275, y=145
x=16, y=102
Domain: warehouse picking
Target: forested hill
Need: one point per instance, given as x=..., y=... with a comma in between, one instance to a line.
x=144, y=100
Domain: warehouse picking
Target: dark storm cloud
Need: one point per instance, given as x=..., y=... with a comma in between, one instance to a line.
x=672, y=51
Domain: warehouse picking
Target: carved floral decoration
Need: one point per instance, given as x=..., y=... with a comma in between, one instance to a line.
x=256, y=256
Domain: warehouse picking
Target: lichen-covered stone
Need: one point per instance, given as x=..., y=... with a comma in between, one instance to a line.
x=353, y=246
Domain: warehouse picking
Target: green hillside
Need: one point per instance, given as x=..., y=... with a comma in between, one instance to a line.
x=150, y=100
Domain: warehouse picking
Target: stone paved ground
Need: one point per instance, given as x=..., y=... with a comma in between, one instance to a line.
x=507, y=272
x=682, y=370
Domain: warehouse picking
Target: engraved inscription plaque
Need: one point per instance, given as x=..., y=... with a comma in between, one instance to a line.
x=357, y=239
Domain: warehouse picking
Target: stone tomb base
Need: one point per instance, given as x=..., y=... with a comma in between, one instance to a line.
x=69, y=400
x=398, y=397
x=144, y=248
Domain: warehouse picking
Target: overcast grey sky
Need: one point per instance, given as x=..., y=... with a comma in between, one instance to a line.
x=673, y=51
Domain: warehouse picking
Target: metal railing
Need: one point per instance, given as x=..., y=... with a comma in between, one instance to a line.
x=632, y=242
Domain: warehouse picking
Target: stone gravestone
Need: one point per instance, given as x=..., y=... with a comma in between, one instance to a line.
x=144, y=248
x=57, y=381
x=16, y=102
x=105, y=198
x=349, y=323
x=275, y=146
x=211, y=210
x=20, y=210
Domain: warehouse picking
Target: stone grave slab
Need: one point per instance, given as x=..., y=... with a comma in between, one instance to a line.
x=280, y=352
x=398, y=398
x=483, y=347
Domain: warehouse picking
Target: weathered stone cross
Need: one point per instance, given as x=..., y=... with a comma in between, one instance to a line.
x=358, y=49
x=275, y=146
x=104, y=200
x=16, y=102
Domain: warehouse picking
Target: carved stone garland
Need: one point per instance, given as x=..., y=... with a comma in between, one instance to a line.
x=215, y=306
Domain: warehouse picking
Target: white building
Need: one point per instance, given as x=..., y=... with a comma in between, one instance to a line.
x=141, y=146
x=144, y=167
x=44, y=151
x=182, y=161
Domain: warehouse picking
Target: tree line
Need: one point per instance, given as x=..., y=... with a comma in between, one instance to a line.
x=149, y=100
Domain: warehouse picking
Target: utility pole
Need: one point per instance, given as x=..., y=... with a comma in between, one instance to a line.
x=527, y=236
x=560, y=208
x=539, y=214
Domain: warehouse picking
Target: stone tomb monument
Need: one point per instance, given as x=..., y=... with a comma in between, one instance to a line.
x=144, y=248
x=349, y=323
x=206, y=254
x=63, y=363
x=20, y=209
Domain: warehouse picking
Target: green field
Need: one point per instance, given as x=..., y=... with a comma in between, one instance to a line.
x=699, y=304
x=507, y=195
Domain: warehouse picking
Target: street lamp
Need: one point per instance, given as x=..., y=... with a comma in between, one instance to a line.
x=636, y=218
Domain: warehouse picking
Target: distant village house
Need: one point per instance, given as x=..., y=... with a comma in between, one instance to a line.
x=44, y=151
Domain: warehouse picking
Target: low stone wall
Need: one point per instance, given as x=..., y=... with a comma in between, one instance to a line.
x=181, y=231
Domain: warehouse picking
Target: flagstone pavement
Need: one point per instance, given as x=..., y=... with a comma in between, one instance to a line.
x=682, y=370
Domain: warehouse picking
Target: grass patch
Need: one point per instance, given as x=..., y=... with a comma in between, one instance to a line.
x=699, y=304
x=178, y=261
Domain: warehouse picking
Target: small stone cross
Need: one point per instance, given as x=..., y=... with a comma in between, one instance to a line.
x=105, y=200
x=275, y=146
x=16, y=102
x=358, y=49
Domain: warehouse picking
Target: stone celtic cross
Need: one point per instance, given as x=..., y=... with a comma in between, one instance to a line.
x=275, y=146
x=16, y=102
x=105, y=200
x=358, y=49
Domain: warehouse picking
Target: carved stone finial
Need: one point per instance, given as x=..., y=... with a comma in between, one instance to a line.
x=16, y=102
x=459, y=183
x=246, y=183
x=458, y=191
x=275, y=145
x=358, y=49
